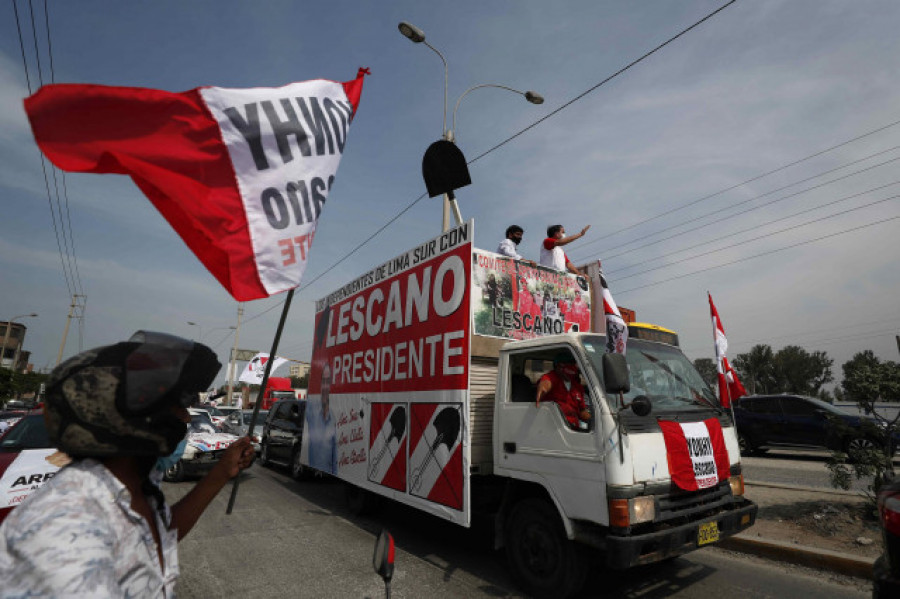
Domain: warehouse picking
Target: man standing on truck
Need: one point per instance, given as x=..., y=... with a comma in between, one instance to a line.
x=507, y=247
x=552, y=254
x=562, y=386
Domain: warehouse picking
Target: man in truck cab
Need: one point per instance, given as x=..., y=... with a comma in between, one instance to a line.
x=562, y=385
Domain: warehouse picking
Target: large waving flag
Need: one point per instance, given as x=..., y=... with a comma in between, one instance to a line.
x=256, y=368
x=730, y=387
x=240, y=174
x=616, y=329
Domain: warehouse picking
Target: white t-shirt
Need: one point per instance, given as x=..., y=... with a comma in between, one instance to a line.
x=507, y=247
x=553, y=256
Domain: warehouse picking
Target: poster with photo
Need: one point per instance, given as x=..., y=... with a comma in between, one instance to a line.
x=514, y=300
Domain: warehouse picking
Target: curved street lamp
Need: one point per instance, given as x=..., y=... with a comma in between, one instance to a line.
x=530, y=96
x=6, y=338
x=417, y=36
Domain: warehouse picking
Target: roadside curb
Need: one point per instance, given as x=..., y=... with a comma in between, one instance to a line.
x=801, y=555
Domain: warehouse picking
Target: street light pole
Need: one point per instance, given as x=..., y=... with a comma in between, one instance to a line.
x=9, y=324
x=416, y=35
x=231, y=372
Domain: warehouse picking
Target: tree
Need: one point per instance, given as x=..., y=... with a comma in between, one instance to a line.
x=300, y=382
x=797, y=371
x=707, y=369
x=867, y=380
x=756, y=369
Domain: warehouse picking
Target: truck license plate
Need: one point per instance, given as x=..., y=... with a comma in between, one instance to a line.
x=708, y=533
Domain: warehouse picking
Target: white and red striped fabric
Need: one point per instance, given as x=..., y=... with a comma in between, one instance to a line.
x=696, y=452
x=730, y=387
x=240, y=174
x=616, y=329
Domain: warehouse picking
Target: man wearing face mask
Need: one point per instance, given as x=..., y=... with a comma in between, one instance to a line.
x=508, y=247
x=101, y=527
x=562, y=385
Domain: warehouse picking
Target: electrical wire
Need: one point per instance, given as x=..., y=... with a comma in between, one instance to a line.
x=754, y=198
x=823, y=237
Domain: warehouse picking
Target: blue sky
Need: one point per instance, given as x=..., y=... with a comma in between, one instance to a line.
x=761, y=85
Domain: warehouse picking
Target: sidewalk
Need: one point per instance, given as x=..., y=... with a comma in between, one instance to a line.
x=819, y=528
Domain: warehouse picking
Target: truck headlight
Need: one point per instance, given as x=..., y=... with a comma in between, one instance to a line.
x=628, y=512
x=642, y=509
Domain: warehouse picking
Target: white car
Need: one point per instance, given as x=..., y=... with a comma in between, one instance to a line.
x=204, y=447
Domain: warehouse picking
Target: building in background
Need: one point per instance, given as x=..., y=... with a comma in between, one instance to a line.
x=299, y=369
x=12, y=339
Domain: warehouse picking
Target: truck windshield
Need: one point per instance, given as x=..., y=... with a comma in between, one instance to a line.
x=661, y=372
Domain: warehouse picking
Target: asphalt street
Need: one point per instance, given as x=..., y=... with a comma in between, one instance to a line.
x=298, y=539
x=794, y=467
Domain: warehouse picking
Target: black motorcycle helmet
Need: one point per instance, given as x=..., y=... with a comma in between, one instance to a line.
x=118, y=399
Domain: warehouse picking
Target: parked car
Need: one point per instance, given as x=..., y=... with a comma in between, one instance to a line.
x=27, y=461
x=238, y=423
x=887, y=567
x=282, y=435
x=218, y=417
x=765, y=421
x=204, y=448
x=8, y=418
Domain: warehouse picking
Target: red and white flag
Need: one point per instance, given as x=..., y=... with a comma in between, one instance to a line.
x=256, y=368
x=616, y=329
x=696, y=452
x=730, y=387
x=240, y=174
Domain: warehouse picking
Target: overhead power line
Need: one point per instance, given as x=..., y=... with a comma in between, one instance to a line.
x=781, y=249
x=514, y=136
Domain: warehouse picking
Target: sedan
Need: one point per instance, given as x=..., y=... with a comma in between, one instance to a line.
x=238, y=423
x=203, y=450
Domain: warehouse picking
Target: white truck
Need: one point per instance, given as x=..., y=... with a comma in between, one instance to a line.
x=422, y=390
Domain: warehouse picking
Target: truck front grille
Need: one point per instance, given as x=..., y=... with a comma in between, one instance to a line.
x=684, y=504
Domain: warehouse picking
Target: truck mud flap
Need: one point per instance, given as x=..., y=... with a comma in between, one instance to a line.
x=627, y=551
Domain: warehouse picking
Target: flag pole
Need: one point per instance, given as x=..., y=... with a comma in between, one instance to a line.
x=262, y=389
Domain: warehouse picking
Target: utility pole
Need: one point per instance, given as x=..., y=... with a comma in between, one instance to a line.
x=237, y=332
x=72, y=307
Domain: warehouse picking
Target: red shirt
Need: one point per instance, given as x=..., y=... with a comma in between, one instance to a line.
x=570, y=401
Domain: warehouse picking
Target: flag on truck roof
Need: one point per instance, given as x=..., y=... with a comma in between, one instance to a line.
x=240, y=174
x=730, y=387
x=256, y=368
x=616, y=329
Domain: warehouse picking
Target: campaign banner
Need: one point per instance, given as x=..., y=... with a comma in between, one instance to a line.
x=28, y=472
x=516, y=301
x=388, y=400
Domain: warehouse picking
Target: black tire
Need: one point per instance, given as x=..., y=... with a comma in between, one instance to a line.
x=175, y=473
x=360, y=501
x=543, y=561
x=748, y=447
x=852, y=445
x=298, y=470
x=264, y=454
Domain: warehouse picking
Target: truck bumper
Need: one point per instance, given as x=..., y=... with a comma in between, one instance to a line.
x=633, y=550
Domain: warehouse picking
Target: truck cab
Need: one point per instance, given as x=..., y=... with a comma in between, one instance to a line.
x=607, y=484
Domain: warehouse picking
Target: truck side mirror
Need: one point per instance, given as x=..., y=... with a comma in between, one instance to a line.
x=641, y=405
x=383, y=558
x=615, y=373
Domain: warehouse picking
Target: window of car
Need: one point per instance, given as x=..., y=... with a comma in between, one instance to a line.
x=201, y=422
x=765, y=405
x=28, y=433
x=284, y=411
x=796, y=406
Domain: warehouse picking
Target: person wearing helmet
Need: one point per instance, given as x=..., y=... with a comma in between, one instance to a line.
x=101, y=527
x=562, y=385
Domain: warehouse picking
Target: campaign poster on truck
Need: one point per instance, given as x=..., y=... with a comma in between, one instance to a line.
x=388, y=403
x=514, y=300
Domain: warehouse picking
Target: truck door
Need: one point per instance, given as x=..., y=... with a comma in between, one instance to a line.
x=537, y=443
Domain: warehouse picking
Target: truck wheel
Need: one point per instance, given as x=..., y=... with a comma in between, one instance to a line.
x=298, y=470
x=174, y=473
x=360, y=501
x=264, y=454
x=543, y=561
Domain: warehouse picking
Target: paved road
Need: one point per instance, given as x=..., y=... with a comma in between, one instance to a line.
x=794, y=467
x=293, y=539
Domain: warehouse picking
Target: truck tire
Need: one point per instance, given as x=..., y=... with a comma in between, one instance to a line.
x=360, y=501
x=544, y=562
x=174, y=473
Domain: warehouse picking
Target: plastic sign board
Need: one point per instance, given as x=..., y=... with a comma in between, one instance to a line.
x=516, y=301
x=388, y=403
